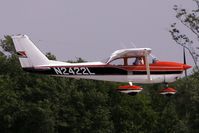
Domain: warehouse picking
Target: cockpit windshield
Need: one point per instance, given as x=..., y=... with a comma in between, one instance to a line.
x=152, y=59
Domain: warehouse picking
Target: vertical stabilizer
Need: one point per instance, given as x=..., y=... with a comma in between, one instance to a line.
x=29, y=54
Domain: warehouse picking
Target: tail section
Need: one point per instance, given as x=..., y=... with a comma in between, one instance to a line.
x=29, y=54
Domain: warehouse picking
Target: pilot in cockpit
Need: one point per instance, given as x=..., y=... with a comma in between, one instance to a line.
x=139, y=61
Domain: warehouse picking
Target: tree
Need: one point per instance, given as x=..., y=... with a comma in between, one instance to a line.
x=37, y=103
x=7, y=45
x=50, y=56
x=190, y=20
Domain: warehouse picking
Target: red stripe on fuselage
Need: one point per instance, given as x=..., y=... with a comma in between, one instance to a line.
x=158, y=66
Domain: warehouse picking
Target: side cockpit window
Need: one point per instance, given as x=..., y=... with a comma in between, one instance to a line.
x=131, y=61
x=136, y=61
x=139, y=61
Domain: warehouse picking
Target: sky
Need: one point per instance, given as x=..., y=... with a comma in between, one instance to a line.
x=93, y=29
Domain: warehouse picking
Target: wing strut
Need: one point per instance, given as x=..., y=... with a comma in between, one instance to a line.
x=147, y=65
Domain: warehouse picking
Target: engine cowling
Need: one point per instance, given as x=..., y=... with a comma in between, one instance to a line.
x=130, y=89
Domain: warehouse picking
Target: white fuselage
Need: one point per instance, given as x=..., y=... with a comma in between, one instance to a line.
x=142, y=79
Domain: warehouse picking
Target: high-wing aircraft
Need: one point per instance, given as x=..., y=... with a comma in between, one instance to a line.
x=126, y=65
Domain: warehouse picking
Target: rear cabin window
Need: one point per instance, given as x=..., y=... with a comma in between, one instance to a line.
x=118, y=62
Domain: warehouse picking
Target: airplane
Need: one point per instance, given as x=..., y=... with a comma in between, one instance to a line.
x=134, y=65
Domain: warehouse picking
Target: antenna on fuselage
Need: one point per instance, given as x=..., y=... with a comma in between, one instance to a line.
x=133, y=44
x=123, y=45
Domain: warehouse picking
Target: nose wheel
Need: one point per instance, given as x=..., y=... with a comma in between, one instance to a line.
x=168, y=91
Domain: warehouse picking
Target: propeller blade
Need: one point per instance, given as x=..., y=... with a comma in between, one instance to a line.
x=185, y=62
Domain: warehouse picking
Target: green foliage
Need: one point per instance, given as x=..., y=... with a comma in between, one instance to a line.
x=190, y=20
x=7, y=44
x=37, y=103
x=50, y=56
x=78, y=60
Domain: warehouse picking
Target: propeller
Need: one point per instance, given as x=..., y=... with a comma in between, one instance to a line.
x=185, y=62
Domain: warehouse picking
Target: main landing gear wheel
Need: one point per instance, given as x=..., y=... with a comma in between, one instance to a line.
x=130, y=89
x=168, y=91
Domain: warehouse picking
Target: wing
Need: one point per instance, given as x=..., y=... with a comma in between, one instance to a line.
x=134, y=52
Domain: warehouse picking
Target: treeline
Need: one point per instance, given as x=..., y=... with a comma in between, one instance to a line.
x=31, y=103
